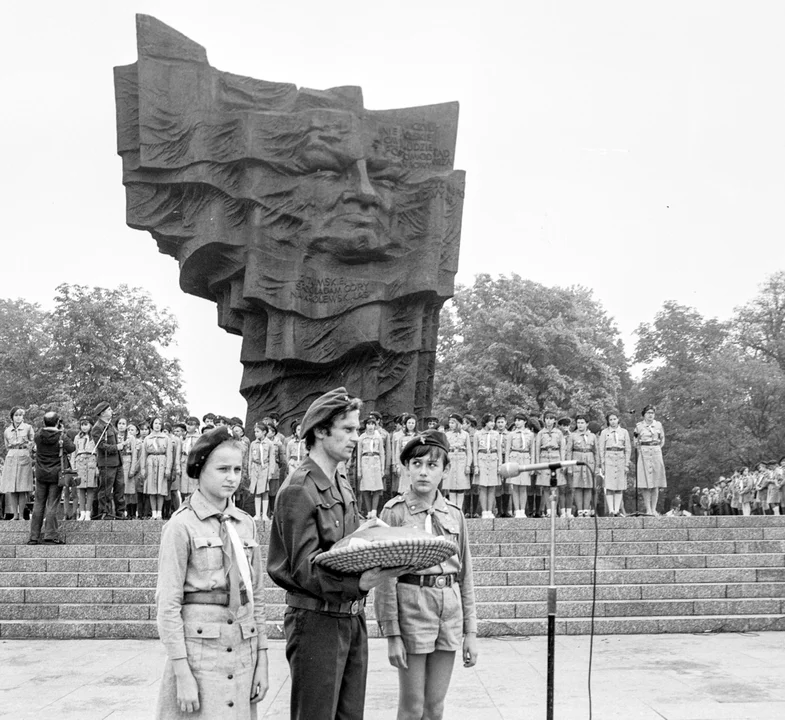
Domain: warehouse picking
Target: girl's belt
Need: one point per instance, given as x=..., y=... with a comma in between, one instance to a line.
x=650, y=443
x=212, y=597
x=621, y=449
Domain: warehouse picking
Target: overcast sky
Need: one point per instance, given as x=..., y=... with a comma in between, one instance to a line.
x=632, y=147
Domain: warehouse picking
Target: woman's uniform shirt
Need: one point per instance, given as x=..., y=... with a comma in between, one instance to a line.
x=409, y=510
x=191, y=559
x=582, y=446
x=549, y=446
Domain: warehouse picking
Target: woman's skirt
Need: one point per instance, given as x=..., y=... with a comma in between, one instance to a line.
x=129, y=482
x=456, y=478
x=155, y=483
x=188, y=484
x=488, y=465
x=774, y=495
x=522, y=458
x=87, y=471
x=257, y=483
x=544, y=476
x=222, y=660
x=615, y=467
x=651, y=468
x=581, y=476
x=371, y=479
x=17, y=472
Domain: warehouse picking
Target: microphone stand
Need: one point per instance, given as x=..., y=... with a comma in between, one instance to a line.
x=552, y=597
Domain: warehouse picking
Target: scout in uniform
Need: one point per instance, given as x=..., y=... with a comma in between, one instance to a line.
x=210, y=595
x=258, y=475
x=613, y=453
x=549, y=448
x=429, y=615
x=324, y=623
x=370, y=467
x=469, y=426
x=582, y=446
x=488, y=453
x=519, y=449
x=649, y=439
x=187, y=483
x=409, y=431
x=502, y=489
x=457, y=477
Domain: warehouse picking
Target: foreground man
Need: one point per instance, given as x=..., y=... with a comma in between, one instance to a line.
x=326, y=635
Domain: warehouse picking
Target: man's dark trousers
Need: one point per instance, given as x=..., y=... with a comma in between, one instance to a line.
x=47, y=500
x=328, y=664
x=111, y=484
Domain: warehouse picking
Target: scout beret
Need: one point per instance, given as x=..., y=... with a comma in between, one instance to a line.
x=647, y=408
x=236, y=421
x=192, y=420
x=376, y=414
x=456, y=417
x=433, y=438
x=202, y=448
x=520, y=416
x=100, y=408
x=565, y=421
x=209, y=416
x=470, y=419
x=293, y=424
x=430, y=418
x=325, y=407
x=181, y=426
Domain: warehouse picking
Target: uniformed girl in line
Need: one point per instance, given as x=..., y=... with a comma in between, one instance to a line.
x=520, y=449
x=409, y=431
x=582, y=446
x=370, y=464
x=86, y=469
x=128, y=439
x=549, y=448
x=649, y=439
x=155, y=461
x=210, y=594
x=17, y=479
x=429, y=615
x=614, y=452
x=457, y=479
x=295, y=448
x=258, y=462
x=192, y=434
x=488, y=457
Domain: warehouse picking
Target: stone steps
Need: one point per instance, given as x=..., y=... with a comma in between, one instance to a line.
x=653, y=575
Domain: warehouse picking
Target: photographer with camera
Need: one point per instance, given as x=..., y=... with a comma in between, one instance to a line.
x=51, y=443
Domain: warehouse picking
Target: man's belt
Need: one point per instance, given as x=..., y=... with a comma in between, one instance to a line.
x=212, y=597
x=438, y=581
x=307, y=603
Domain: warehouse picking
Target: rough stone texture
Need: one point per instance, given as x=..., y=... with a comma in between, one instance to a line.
x=106, y=612
x=725, y=533
x=28, y=612
x=759, y=589
x=133, y=595
x=687, y=548
x=23, y=579
x=7, y=551
x=773, y=560
x=23, y=565
x=683, y=591
x=670, y=535
x=327, y=234
x=642, y=562
x=112, y=580
x=51, y=630
x=508, y=564
x=68, y=595
x=490, y=578
x=72, y=550
x=126, y=551
x=144, y=565
x=732, y=606
x=76, y=565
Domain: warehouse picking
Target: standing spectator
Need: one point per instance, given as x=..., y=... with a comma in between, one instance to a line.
x=86, y=469
x=694, y=503
x=258, y=474
x=110, y=466
x=520, y=449
x=566, y=494
x=155, y=460
x=176, y=449
x=649, y=439
x=295, y=448
x=17, y=481
x=614, y=453
x=52, y=445
x=387, y=440
x=582, y=446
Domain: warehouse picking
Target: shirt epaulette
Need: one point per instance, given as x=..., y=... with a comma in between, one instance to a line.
x=183, y=506
x=392, y=502
x=452, y=504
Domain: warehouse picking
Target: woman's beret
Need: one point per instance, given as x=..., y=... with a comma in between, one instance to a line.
x=203, y=447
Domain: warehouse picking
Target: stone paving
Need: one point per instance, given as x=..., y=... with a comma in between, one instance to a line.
x=653, y=677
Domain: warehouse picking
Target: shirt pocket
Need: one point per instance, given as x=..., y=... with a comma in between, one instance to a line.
x=452, y=529
x=329, y=517
x=208, y=553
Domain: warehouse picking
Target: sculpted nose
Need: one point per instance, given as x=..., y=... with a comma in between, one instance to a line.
x=363, y=190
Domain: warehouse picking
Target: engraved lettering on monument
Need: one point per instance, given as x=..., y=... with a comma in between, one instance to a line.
x=327, y=234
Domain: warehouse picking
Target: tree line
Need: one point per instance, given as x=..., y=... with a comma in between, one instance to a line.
x=508, y=344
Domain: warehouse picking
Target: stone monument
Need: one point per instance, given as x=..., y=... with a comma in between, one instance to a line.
x=327, y=234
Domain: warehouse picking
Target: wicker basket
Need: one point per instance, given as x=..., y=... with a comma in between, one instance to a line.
x=414, y=553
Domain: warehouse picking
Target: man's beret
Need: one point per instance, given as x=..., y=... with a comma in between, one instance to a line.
x=203, y=447
x=100, y=408
x=325, y=407
x=432, y=438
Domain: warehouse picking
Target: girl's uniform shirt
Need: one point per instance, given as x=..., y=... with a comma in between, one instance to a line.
x=85, y=461
x=520, y=449
x=488, y=456
x=549, y=447
x=187, y=484
x=258, y=460
x=460, y=459
x=649, y=439
x=614, y=451
x=155, y=461
x=582, y=446
x=295, y=453
x=404, y=481
x=370, y=462
x=409, y=510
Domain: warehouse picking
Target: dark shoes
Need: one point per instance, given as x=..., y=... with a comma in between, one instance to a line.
x=33, y=542
x=53, y=542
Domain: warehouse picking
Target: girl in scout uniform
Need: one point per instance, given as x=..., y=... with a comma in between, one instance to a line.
x=488, y=458
x=409, y=431
x=370, y=464
x=520, y=449
x=649, y=438
x=429, y=615
x=614, y=452
x=548, y=448
x=209, y=594
x=582, y=446
x=17, y=478
x=192, y=434
x=86, y=469
x=258, y=460
x=457, y=478
x=295, y=448
x=156, y=462
x=127, y=452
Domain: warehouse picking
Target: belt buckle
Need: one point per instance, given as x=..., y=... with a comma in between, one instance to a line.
x=355, y=608
x=441, y=581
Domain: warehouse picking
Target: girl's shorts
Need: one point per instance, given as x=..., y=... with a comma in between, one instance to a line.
x=430, y=618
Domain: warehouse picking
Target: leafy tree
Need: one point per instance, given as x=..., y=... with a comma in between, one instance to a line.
x=107, y=344
x=510, y=343
x=759, y=326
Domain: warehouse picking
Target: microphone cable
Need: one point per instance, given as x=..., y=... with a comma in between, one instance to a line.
x=593, y=584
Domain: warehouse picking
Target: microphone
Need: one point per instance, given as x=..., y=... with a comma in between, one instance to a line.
x=510, y=470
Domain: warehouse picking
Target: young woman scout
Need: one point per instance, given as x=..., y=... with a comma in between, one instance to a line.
x=487, y=458
x=370, y=467
x=582, y=446
x=549, y=448
x=519, y=449
x=155, y=461
x=429, y=615
x=457, y=480
x=17, y=479
x=409, y=431
x=210, y=594
x=614, y=452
